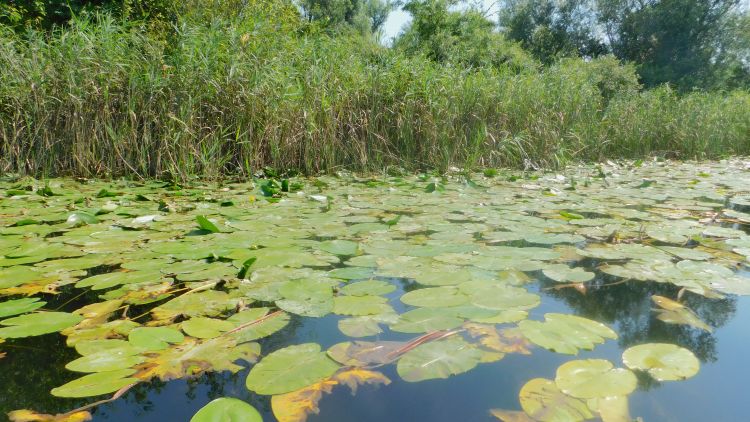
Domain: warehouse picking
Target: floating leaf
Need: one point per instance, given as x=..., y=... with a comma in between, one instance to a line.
x=364, y=353
x=205, y=224
x=20, y=306
x=611, y=409
x=31, y=416
x=664, y=362
x=227, y=409
x=80, y=218
x=256, y=323
x=435, y=297
x=108, y=360
x=154, y=338
x=297, y=405
x=194, y=356
x=564, y=274
x=543, y=401
x=422, y=320
x=290, y=369
x=360, y=305
x=510, y=415
x=200, y=327
x=673, y=312
x=566, y=333
x=340, y=247
x=368, y=287
x=96, y=384
x=593, y=378
x=439, y=359
x=37, y=324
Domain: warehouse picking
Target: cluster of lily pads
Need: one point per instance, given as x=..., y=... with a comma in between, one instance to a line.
x=187, y=279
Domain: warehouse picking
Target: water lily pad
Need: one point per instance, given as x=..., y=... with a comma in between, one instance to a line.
x=37, y=324
x=435, y=297
x=438, y=359
x=591, y=378
x=227, y=409
x=289, y=369
x=108, y=360
x=564, y=274
x=566, y=333
x=368, y=287
x=422, y=320
x=673, y=312
x=201, y=327
x=664, y=362
x=360, y=305
x=359, y=326
x=340, y=247
x=154, y=338
x=20, y=306
x=542, y=400
x=96, y=384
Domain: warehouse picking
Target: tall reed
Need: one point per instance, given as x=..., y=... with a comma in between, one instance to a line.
x=228, y=97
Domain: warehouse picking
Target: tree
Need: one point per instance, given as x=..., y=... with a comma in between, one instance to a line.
x=671, y=41
x=463, y=37
x=366, y=15
x=552, y=29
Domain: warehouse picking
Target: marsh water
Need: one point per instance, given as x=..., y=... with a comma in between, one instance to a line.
x=657, y=253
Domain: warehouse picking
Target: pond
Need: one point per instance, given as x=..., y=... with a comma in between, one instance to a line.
x=608, y=292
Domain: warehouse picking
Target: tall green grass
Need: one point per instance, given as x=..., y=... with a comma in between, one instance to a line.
x=228, y=97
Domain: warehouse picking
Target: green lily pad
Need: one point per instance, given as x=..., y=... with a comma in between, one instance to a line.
x=566, y=333
x=422, y=320
x=37, y=324
x=664, y=362
x=200, y=327
x=435, y=297
x=108, y=360
x=290, y=369
x=438, y=359
x=340, y=247
x=20, y=306
x=592, y=378
x=227, y=409
x=368, y=287
x=360, y=305
x=205, y=224
x=154, y=338
x=564, y=274
x=96, y=384
x=543, y=401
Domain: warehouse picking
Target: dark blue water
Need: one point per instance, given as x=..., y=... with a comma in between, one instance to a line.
x=717, y=393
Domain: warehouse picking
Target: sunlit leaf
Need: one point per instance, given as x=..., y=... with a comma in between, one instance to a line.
x=31, y=416
x=290, y=369
x=566, y=333
x=439, y=359
x=96, y=384
x=543, y=401
x=227, y=409
x=664, y=362
x=37, y=324
x=298, y=405
x=593, y=378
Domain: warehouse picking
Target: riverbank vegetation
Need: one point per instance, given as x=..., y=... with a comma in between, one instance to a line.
x=155, y=89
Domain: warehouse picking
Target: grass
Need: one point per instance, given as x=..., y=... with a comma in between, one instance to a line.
x=227, y=98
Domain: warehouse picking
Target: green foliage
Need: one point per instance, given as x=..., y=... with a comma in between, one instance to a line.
x=465, y=38
x=550, y=30
x=215, y=97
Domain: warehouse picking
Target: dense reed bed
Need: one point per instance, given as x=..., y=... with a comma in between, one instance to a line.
x=228, y=97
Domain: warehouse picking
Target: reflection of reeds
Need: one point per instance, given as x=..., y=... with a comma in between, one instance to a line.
x=104, y=99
